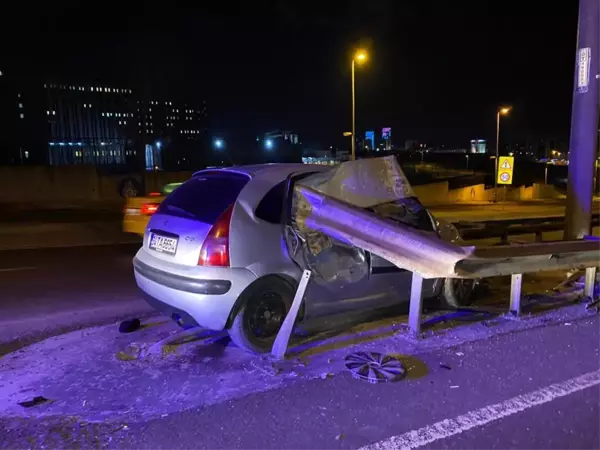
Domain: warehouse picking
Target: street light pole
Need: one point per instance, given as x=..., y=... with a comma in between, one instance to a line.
x=584, y=122
x=353, y=154
x=501, y=111
x=497, y=156
x=359, y=57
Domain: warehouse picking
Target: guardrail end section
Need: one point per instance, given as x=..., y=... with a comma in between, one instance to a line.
x=283, y=336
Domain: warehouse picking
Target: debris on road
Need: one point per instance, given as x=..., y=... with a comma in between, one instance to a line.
x=374, y=367
x=445, y=366
x=38, y=400
x=129, y=326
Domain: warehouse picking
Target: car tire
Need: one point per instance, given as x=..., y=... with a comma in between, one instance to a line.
x=458, y=293
x=260, y=314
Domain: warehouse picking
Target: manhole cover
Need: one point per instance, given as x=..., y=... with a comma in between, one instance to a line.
x=374, y=367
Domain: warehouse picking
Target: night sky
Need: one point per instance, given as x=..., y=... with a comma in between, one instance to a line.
x=437, y=71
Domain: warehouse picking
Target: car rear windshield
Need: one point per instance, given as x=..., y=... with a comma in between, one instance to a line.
x=205, y=197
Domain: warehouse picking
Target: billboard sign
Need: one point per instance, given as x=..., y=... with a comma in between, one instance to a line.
x=386, y=133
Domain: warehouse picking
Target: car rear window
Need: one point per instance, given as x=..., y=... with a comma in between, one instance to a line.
x=205, y=197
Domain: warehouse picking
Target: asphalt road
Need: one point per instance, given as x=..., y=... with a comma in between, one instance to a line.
x=534, y=389
x=53, y=290
x=49, y=290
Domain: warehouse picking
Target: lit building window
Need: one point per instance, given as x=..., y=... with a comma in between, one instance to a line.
x=53, y=113
x=20, y=105
x=102, y=114
x=48, y=113
x=22, y=116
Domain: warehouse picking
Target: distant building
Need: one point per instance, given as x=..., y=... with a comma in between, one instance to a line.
x=21, y=117
x=92, y=125
x=176, y=131
x=478, y=146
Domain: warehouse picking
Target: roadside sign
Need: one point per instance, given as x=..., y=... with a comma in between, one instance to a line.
x=583, y=69
x=505, y=169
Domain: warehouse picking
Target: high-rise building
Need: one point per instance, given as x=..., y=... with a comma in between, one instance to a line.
x=178, y=130
x=478, y=146
x=92, y=125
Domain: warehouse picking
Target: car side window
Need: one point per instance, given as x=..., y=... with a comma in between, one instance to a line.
x=270, y=207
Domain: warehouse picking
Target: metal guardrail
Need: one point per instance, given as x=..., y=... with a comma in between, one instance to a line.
x=426, y=256
x=513, y=227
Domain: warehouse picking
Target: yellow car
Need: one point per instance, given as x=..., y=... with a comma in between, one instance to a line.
x=138, y=210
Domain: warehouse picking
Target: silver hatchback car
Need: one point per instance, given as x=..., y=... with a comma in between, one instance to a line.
x=214, y=255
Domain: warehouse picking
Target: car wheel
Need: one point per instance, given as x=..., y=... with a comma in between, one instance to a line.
x=458, y=292
x=261, y=314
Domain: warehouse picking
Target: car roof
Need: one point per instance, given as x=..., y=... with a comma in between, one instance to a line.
x=274, y=168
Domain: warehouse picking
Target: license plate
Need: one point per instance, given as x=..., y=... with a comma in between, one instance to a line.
x=163, y=244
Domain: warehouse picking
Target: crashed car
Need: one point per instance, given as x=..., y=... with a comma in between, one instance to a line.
x=227, y=249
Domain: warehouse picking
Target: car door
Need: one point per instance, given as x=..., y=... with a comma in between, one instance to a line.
x=341, y=272
x=387, y=277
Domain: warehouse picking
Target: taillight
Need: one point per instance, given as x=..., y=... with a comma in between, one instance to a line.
x=149, y=208
x=215, y=249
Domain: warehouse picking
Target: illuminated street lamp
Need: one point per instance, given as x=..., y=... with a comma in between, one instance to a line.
x=501, y=112
x=359, y=57
x=269, y=144
x=219, y=143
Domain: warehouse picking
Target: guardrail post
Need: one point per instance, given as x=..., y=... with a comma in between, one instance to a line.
x=416, y=304
x=516, y=280
x=590, y=282
x=283, y=336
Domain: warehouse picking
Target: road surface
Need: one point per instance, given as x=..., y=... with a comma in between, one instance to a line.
x=537, y=389
x=49, y=290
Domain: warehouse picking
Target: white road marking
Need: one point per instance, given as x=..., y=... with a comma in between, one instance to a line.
x=450, y=427
x=17, y=269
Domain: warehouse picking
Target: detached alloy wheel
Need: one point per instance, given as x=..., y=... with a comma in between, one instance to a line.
x=263, y=310
x=457, y=292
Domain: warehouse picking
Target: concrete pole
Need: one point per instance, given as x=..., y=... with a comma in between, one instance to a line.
x=584, y=122
x=353, y=154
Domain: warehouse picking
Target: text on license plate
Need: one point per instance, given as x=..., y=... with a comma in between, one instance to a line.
x=163, y=244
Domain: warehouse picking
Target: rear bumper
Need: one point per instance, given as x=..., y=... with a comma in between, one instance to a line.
x=205, y=302
x=181, y=283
